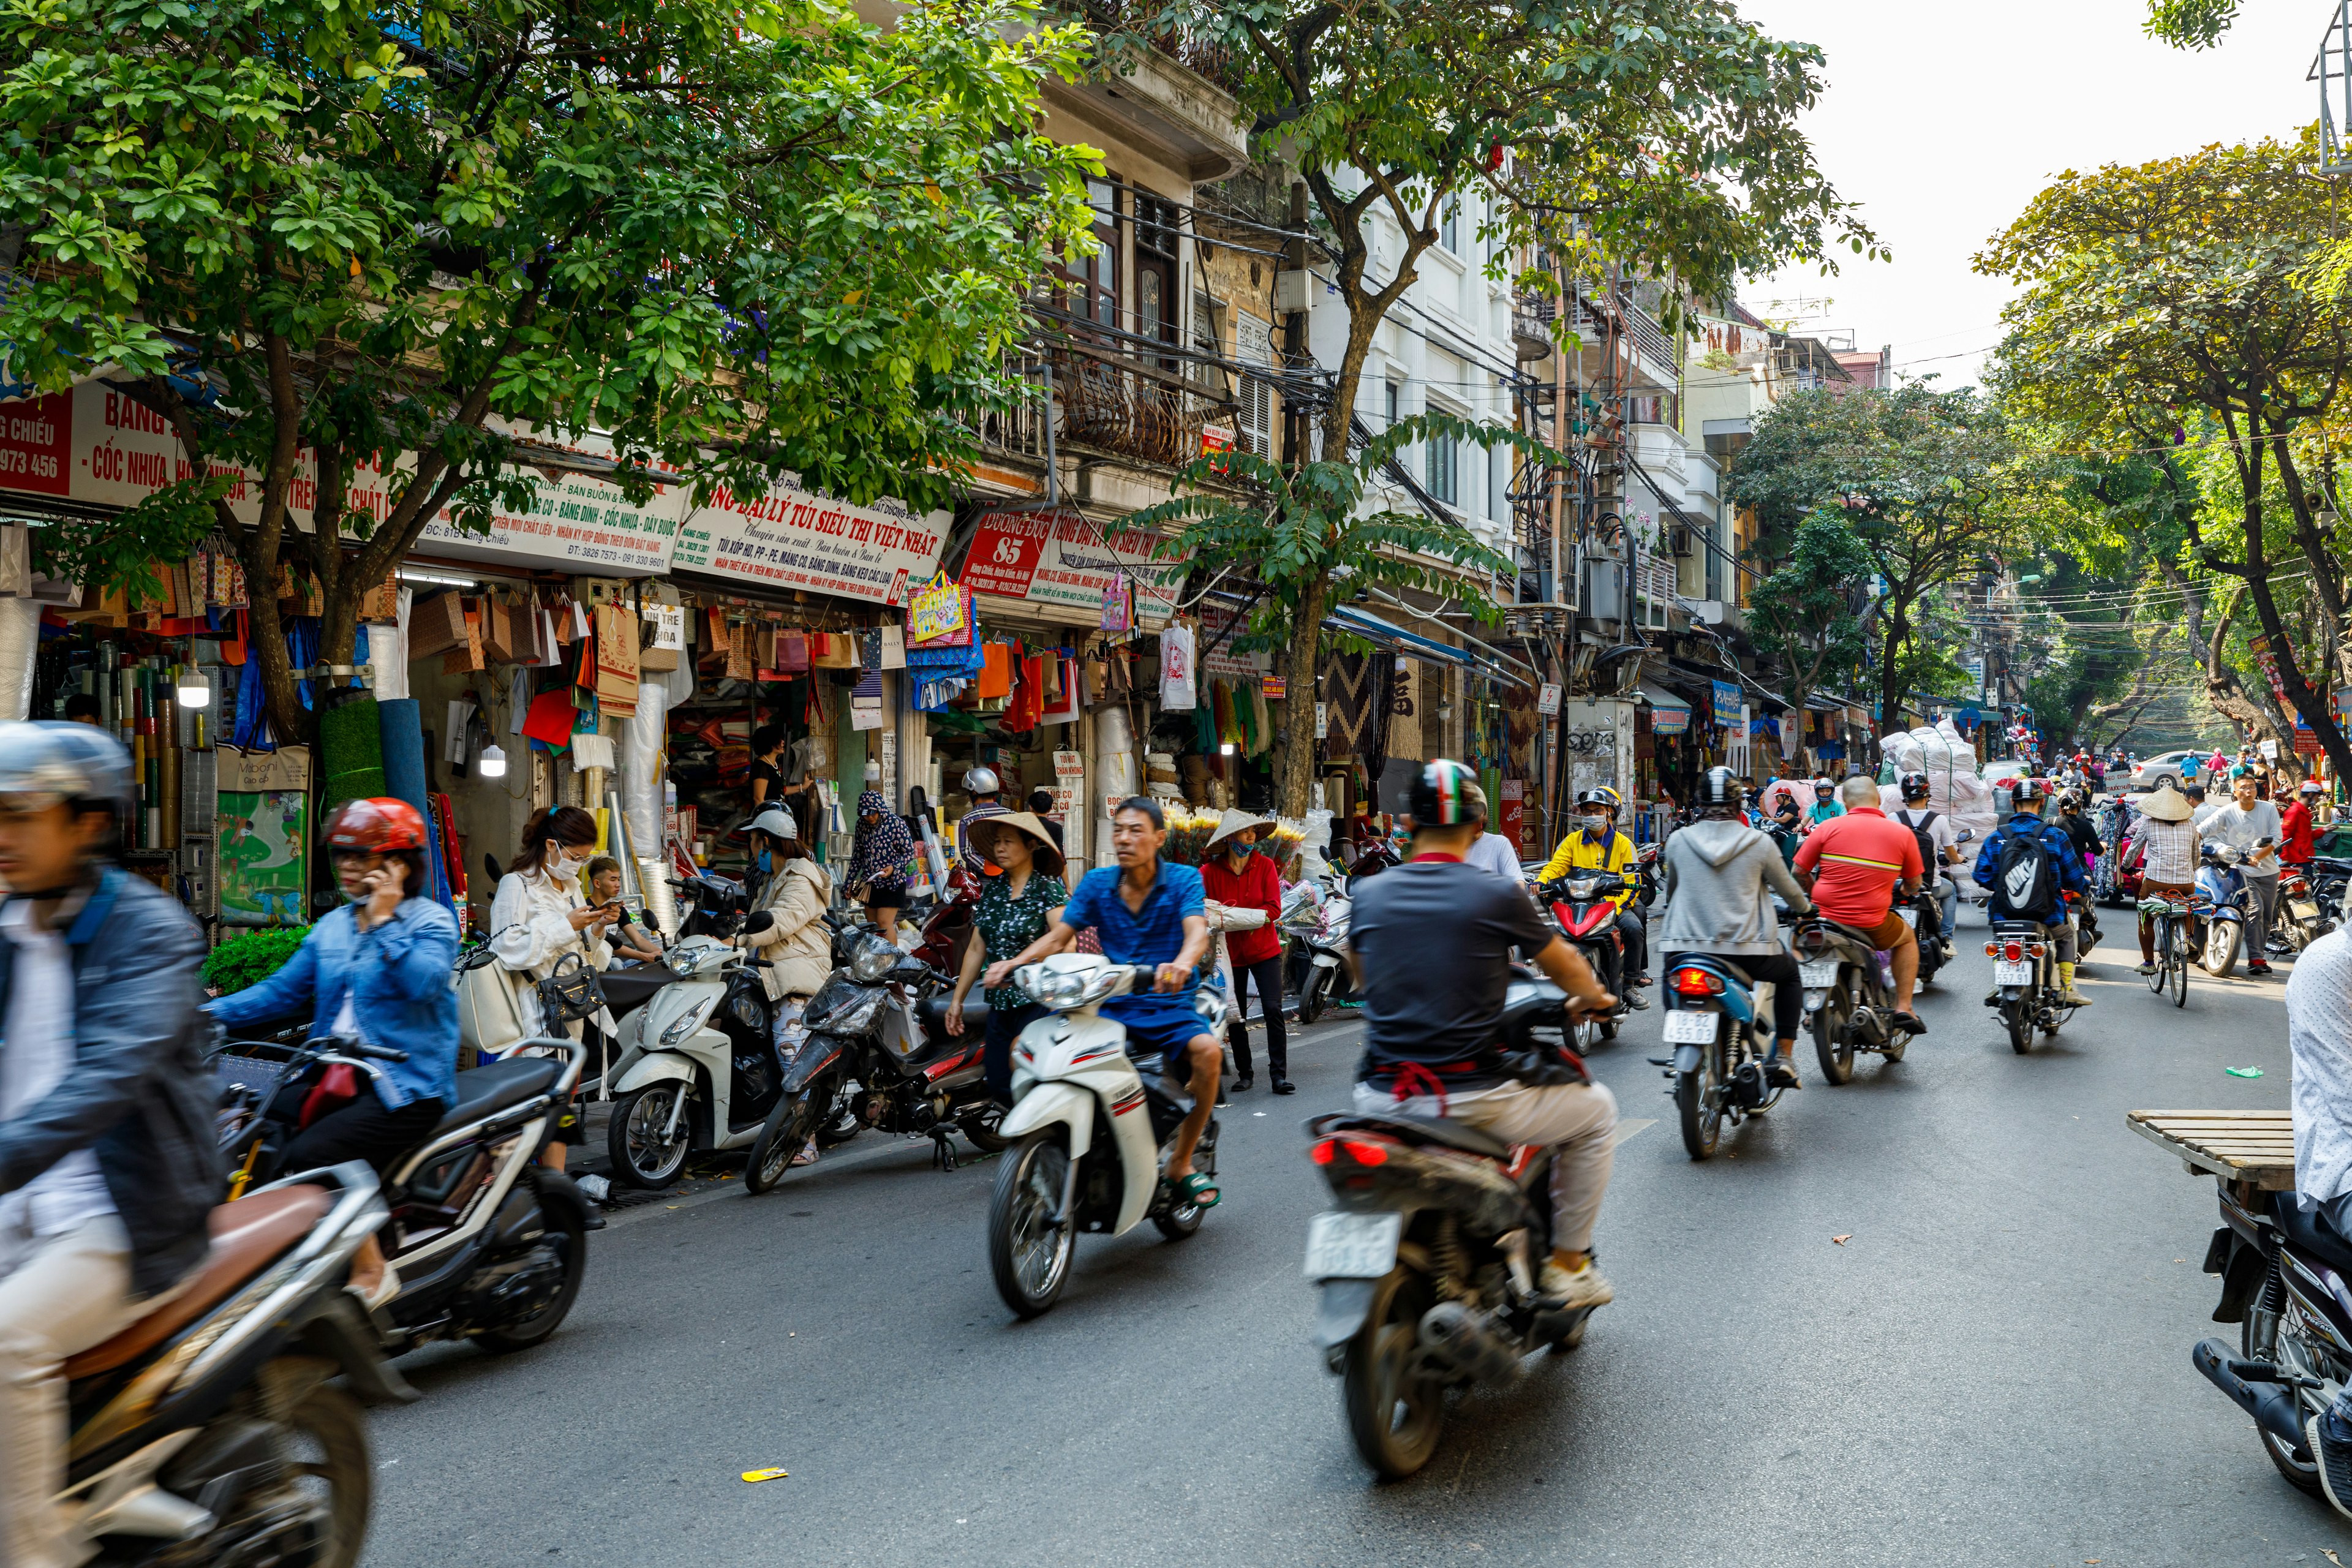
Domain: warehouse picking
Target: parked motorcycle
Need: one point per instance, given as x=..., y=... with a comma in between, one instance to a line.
x=1848, y=996
x=1082, y=1159
x=1316, y=934
x=879, y=1024
x=2218, y=903
x=207, y=1433
x=491, y=1246
x=1427, y=1263
x=2109, y=877
x=1717, y=1069
x=1587, y=920
x=2024, y=956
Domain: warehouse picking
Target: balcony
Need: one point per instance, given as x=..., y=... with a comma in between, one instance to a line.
x=1175, y=94
x=1104, y=404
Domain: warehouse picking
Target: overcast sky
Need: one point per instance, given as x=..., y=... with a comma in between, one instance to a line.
x=1944, y=121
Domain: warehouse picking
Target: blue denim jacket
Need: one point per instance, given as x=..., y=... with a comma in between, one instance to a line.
x=399, y=976
x=140, y=1093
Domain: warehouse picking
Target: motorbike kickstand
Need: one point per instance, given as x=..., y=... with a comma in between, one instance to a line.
x=943, y=1154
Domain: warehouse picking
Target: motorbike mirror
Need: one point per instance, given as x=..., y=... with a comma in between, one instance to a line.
x=1966, y=834
x=760, y=921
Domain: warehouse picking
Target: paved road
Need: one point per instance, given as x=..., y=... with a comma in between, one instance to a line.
x=1993, y=1370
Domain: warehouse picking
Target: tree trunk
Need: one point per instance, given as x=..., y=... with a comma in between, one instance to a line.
x=1303, y=692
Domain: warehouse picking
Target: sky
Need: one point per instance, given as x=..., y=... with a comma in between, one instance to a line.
x=1943, y=121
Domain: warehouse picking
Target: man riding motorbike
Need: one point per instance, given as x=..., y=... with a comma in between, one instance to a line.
x=1941, y=838
x=1852, y=866
x=108, y=1171
x=1147, y=911
x=2025, y=797
x=1597, y=846
x=377, y=971
x=1717, y=871
x=1430, y=943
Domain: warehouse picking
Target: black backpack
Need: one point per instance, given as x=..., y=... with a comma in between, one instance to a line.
x=2025, y=879
x=1927, y=860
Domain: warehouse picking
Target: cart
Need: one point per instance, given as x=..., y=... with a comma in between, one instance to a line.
x=2253, y=1150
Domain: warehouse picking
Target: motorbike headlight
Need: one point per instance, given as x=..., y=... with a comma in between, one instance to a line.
x=686, y=1024
x=1581, y=888
x=1054, y=988
x=872, y=960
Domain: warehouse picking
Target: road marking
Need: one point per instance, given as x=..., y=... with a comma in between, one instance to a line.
x=1628, y=1127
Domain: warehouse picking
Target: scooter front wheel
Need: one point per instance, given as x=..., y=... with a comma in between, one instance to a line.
x=2221, y=944
x=650, y=1135
x=1028, y=1253
x=1310, y=995
x=784, y=1134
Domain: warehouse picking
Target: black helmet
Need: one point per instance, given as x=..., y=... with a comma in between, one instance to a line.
x=1447, y=794
x=1914, y=786
x=1719, y=790
x=2025, y=792
x=1607, y=799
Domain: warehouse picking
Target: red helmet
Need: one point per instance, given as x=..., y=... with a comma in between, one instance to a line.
x=376, y=826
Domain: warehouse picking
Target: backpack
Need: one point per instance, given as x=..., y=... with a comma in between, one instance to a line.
x=1927, y=844
x=2025, y=881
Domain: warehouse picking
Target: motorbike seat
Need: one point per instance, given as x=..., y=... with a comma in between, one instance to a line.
x=932, y=1011
x=486, y=1090
x=246, y=1237
x=2309, y=1230
x=627, y=988
x=1427, y=1129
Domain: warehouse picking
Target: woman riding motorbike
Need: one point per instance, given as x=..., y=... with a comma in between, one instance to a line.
x=375, y=971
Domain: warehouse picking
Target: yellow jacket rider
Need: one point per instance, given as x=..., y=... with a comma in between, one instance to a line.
x=1597, y=846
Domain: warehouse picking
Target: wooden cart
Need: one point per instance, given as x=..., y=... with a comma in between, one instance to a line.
x=2253, y=1150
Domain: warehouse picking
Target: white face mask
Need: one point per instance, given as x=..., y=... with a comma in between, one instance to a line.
x=563, y=869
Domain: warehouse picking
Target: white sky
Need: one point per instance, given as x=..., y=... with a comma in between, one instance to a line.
x=1944, y=121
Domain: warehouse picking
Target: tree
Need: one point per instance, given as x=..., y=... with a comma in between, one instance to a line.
x=1925, y=477
x=1812, y=612
x=2190, y=23
x=1656, y=134
x=2189, y=296
x=740, y=238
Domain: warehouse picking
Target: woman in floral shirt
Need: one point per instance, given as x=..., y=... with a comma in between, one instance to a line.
x=1020, y=902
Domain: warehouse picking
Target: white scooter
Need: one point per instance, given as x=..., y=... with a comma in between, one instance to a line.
x=697, y=1065
x=1089, y=1131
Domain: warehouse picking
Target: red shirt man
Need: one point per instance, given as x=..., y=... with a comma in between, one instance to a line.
x=1858, y=858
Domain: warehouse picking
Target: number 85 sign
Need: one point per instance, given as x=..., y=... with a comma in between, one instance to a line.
x=1004, y=553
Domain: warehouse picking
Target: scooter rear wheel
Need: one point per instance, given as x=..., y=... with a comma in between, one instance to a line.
x=1833, y=1035
x=1394, y=1415
x=1029, y=1257
x=570, y=1235
x=2020, y=1026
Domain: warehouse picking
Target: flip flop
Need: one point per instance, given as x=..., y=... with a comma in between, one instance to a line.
x=1196, y=1188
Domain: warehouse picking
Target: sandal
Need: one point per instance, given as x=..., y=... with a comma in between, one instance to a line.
x=1196, y=1188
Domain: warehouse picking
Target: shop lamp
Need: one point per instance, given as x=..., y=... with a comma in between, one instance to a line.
x=491, y=763
x=194, y=690
x=1225, y=750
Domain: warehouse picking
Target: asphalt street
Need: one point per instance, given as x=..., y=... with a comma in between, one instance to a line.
x=1940, y=1315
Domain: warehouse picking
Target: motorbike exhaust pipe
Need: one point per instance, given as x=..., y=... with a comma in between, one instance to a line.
x=1457, y=1342
x=2274, y=1406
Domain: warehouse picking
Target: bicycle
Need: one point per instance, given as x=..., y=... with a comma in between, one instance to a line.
x=2168, y=919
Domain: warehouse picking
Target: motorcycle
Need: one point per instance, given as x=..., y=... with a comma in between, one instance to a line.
x=1587, y=920
x=2024, y=974
x=491, y=1246
x=1317, y=936
x=2108, y=878
x=1082, y=1159
x=1646, y=876
x=2301, y=919
x=1426, y=1266
x=1717, y=1066
x=699, y=1063
x=1848, y=996
x=880, y=1022
x=2218, y=902
x=207, y=1433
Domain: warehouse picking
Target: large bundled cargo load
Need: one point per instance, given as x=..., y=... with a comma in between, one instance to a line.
x=1954, y=787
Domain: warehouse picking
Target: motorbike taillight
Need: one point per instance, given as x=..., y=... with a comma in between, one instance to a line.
x=1365, y=1153
x=1695, y=982
x=1324, y=1152
x=2014, y=952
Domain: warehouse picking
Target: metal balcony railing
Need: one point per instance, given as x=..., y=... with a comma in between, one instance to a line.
x=1649, y=338
x=1204, y=57
x=1106, y=403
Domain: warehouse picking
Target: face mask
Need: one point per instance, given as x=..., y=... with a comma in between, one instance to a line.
x=1236, y=848
x=563, y=869
x=1596, y=825
x=764, y=860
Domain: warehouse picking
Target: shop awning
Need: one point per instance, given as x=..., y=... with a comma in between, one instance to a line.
x=1665, y=701
x=1364, y=624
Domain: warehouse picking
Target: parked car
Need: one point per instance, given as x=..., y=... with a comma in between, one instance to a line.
x=2176, y=768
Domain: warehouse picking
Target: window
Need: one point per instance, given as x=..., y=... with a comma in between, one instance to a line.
x=1094, y=280
x=1449, y=232
x=1394, y=392
x=1253, y=345
x=1445, y=470
x=1155, y=268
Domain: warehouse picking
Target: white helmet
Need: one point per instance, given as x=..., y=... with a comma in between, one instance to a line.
x=981, y=781
x=776, y=822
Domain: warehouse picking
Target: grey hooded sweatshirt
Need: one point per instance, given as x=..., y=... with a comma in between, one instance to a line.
x=1717, y=871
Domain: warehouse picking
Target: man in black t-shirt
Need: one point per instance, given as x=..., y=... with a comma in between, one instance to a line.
x=1430, y=942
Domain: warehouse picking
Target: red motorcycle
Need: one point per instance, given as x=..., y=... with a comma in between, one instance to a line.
x=1587, y=920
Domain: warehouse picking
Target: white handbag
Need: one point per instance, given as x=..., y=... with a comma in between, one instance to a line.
x=490, y=1016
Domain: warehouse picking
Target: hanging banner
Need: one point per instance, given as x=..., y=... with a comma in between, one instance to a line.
x=1066, y=559
x=792, y=539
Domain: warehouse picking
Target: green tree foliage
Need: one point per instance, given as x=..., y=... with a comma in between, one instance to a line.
x=1925, y=477
x=2183, y=301
x=1812, y=612
x=740, y=238
x=2190, y=23
x=1657, y=135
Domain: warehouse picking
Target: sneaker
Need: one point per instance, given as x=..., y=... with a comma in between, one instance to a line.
x=2147, y=969
x=2258, y=967
x=1784, y=1074
x=1586, y=1287
x=2335, y=1463
x=1637, y=1002
x=2070, y=997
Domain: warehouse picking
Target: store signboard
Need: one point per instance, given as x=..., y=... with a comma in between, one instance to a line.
x=1726, y=701
x=1066, y=559
x=792, y=539
x=1219, y=661
x=572, y=520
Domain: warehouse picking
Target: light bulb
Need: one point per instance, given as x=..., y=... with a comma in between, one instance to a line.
x=1227, y=749
x=491, y=763
x=194, y=690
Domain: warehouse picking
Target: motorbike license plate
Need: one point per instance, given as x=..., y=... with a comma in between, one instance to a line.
x=1690, y=1026
x=1821, y=972
x=1353, y=1246
x=2007, y=973
x=1910, y=916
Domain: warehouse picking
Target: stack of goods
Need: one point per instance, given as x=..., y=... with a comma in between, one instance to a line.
x=1160, y=775
x=1954, y=787
x=1188, y=833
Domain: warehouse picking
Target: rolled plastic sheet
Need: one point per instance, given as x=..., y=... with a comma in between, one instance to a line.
x=20, y=641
